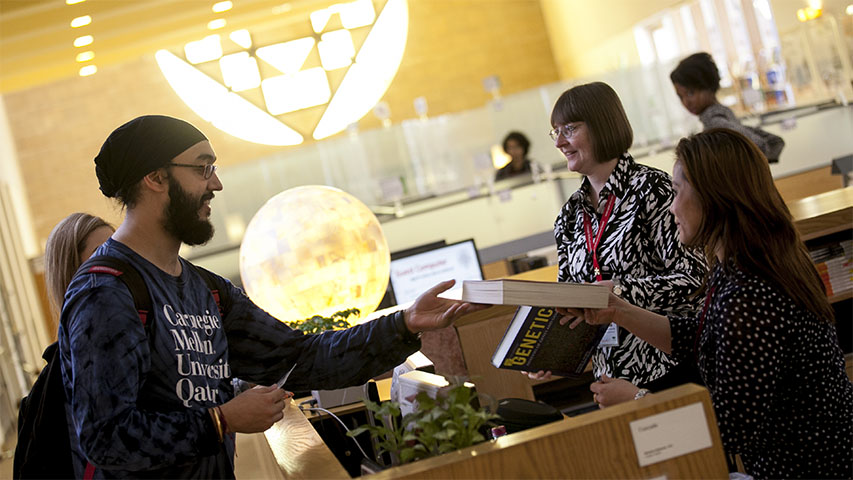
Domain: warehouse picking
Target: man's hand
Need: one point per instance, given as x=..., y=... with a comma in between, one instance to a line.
x=255, y=410
x=431, y=312
x=610, y=391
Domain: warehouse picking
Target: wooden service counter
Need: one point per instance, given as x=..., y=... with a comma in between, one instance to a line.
x=600, y=444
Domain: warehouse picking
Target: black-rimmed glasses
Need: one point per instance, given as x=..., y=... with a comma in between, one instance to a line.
x=567, y=131
x=207, y=170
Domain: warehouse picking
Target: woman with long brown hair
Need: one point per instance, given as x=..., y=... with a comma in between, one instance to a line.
x=765, y=341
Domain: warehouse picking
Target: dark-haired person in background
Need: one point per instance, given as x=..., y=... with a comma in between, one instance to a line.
x=516, y=145
x=765, y=342
x=616, y=229
x=161, y=404
x=696, y=80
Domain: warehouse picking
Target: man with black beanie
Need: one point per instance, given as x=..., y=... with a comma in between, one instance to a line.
x=160, y=404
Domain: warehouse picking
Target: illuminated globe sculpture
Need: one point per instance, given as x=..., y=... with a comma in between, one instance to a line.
x=314, y=250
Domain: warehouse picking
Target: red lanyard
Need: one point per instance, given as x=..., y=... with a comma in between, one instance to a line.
x=591, y=246
x=702, y=320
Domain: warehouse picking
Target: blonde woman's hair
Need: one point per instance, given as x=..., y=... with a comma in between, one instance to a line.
x=62, y=253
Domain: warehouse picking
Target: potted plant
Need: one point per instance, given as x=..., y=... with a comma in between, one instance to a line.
x=318, y=324
x=438, y=425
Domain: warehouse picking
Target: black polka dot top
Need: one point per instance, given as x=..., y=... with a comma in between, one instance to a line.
x=776, y=377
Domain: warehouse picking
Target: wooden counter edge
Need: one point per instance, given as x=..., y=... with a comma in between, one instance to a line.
x=619, y=415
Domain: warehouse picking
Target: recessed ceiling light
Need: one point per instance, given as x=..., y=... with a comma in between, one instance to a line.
x=85, y=56
x=88, y=70
x=83, y=41
x=73, y=2
x=81, y=21
x=220, y=7
x=216, y=24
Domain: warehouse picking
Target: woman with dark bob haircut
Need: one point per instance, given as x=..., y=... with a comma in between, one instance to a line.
x=696, y=80
x=765, y=342
x=616, y=229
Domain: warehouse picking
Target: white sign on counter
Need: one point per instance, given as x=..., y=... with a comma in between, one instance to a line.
x=670, y=434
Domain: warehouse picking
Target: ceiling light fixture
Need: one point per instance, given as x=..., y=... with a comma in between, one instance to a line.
x=303, y=89
x=81, y=21
x=220, y=7
x=85, y=56
x=83, y=41
x=226, y=110
x=240, y=71
x=371, y=74
x=242, y=38
x=336, y=49
x=205, y=50
x=216, y=24
x=287, y=57
x=88, y=70
x=73, y=2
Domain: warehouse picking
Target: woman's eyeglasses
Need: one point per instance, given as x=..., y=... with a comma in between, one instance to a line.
x=567, y=131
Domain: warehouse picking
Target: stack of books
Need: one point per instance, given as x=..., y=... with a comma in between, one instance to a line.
x=528, y=292
x=834, y=263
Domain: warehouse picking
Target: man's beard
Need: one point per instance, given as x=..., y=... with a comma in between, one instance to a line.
x=182, y=218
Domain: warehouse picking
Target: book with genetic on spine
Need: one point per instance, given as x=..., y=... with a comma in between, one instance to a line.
x=506, y=291
x=536, y=341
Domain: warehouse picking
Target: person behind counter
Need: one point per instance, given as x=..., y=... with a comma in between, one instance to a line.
x=516, y=145
x=696, y=80
x=616, y=229
x=765, y=342
x=161, y=404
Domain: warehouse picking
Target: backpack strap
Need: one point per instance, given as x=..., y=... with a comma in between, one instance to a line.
x=128, y=275
x=217, y=288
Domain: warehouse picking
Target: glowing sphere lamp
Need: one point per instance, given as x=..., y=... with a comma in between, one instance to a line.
x=314, y=250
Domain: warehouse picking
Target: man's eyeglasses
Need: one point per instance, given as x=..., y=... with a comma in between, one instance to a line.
x=207, y=170
x=567, y=131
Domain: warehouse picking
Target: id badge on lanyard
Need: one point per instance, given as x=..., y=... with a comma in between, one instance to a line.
x=611, y=336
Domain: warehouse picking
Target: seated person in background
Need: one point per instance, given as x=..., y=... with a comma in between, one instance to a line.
x=516, y=145
x=160, y=403
x=696, y=81
x=765, y=342
x=71, y=242
x=616, y=229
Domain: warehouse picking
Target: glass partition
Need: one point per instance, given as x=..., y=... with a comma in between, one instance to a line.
x=422, y=163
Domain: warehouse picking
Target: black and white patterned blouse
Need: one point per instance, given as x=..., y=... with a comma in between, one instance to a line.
x=640, y=247
x=776, y=376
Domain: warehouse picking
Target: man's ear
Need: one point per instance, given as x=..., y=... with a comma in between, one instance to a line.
x=158, y=180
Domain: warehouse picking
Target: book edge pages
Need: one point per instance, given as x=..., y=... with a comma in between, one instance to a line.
x=509, y=336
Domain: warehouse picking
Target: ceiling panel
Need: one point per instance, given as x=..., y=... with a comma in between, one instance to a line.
x=36, y=40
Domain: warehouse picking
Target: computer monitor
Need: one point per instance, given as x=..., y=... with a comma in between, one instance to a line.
x=414, y=273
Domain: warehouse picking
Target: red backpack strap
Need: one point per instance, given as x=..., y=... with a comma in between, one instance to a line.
x=128, y=275
x=217, y=288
